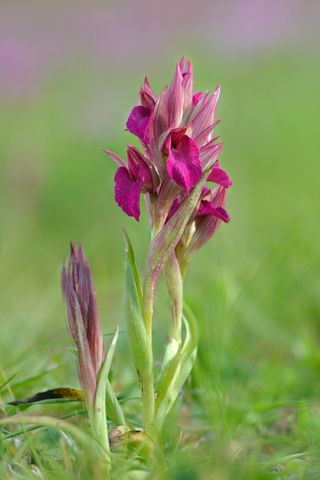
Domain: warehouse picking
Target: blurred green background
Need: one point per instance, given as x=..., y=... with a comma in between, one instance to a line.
x=70, y=73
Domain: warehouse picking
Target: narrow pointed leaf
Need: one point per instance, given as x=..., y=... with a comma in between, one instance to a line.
x=136, y=331
x=184, y=362
x=100, y=416
x=131, y=260
x=113, y=407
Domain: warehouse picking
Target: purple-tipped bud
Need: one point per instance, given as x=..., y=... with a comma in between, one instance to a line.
x=80, y=296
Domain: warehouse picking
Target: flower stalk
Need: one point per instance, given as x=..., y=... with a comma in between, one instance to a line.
x=180, y=155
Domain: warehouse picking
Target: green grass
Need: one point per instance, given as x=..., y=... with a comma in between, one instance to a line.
x=251, y=410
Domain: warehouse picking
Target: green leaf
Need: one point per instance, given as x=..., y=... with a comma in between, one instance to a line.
x=177, y=369
x=84, y=438
x=7, y=381
x=131, y=260
x=100, y=417
x=138, y=339
x=171, y=358
x=114, y=410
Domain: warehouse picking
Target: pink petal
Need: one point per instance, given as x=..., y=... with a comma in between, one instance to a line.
x=206, y=115
x=175, y=98
x=187, y=85
x=148, y=180
x=117, y=160
x=205, y=192
x=209, y=155
x=183, y=164
x=160, y=118
x=196, y=98
x=149, y=90
x=219, y=176
x=176, y=135
x=127, y=193
x=134, y=157
x=146, y=100
x=207, y=208
x=173, y=209
x=138, y=123
x=205, y=135
x=140, y=169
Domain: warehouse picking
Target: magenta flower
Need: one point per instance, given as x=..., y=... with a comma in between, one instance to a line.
x=183, y=164
x=138, y=123
x=219, y=176
x=176, y=134
x=210, y=214
x=133, y=178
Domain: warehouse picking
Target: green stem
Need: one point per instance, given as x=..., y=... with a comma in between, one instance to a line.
x=175, y=291
x=147, y=390
x=79, y=435
x=183, y=269
x=148, y=307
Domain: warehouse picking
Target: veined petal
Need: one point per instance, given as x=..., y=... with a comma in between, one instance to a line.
x=187, y=86
x=146, y=100
x=207, y=208
x=209, y=155
x=219, y=176
x=138, y=123
x=148, y=176
x=182, y=64
x=158, y=125
x=178, y=133
x=134, y=157
x=175, y=98
x=146, y=97
x=205, y=192
x=206, y=135
x=196, y=98
x=160, y=118
x=117, y=160
x=127, y=193
x=173, y=209
x=206, y=115
x=193, y=110
x=149, y=90
x=183, y=164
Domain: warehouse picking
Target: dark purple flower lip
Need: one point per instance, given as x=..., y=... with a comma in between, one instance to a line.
x=138, y=123
x=183, y=164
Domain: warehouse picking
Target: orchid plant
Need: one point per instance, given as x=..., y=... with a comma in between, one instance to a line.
x=178, y=162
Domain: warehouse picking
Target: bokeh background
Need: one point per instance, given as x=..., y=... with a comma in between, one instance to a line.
x=70, y=73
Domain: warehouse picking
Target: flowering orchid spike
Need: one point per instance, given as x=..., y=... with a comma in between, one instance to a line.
x=175, y=130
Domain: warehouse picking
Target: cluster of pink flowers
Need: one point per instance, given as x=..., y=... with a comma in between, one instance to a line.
x=176, y=134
